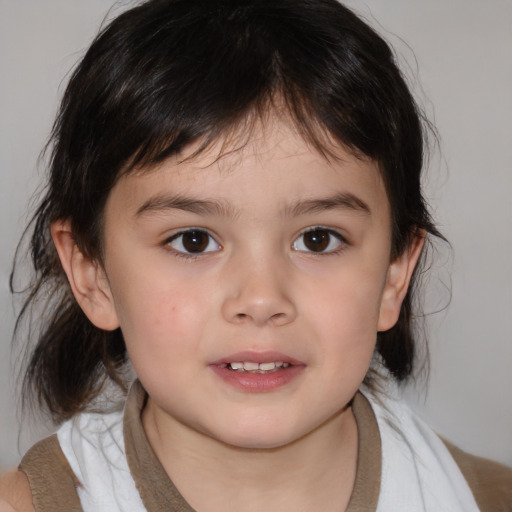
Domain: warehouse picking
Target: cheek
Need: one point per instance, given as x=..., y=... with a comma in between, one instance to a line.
x=160, y=335
x=347, y=302
x=345, y=311
x=158, y=314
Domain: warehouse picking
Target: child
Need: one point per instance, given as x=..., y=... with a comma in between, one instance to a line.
x=234, y=207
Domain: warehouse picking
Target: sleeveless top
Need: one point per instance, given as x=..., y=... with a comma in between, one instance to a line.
x=104, y=462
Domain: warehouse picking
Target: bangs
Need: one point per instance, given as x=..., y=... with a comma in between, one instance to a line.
x=234, y=134
x=184, y=75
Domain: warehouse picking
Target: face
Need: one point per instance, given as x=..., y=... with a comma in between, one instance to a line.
x=250, y=288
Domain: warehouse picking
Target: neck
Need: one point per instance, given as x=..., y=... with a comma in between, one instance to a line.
x=316, y=472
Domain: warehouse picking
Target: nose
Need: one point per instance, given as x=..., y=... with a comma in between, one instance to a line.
x=259, y=293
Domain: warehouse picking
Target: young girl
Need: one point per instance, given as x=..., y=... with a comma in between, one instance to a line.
x=234, y=214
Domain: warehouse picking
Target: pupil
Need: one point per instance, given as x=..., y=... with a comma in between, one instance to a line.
x=195, y=241
x=316, y=240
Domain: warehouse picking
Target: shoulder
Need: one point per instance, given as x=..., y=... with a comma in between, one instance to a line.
x=50, y=478
x=15, y=494
x=490, y=482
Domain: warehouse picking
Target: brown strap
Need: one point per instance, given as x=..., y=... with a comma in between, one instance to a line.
x=52, y=481
x=365, y=495
x=490, y=482
x=156, y=490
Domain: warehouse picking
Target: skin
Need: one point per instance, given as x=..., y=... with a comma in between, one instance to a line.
x=15, y=493
x=257, y=287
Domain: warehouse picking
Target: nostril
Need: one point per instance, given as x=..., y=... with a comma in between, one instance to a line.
x=280, y=319
x=253, y=308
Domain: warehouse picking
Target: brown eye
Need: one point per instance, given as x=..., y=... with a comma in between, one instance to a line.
x=193, y=241
x=318, y=240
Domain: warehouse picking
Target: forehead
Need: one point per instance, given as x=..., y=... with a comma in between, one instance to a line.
x=271, y=165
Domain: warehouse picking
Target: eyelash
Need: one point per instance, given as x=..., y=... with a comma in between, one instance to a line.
x=189, y=254
x=331, y=234
x=328, y=236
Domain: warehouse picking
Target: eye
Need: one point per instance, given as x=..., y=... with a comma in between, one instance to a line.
x=193, y=241
x=319, y=240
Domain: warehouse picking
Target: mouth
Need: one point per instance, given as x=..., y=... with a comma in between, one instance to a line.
x=258, y=372
x=252, y=367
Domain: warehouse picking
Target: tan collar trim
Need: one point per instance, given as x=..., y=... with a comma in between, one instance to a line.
x=158, y=493
x=365, y=495
x=156, y=490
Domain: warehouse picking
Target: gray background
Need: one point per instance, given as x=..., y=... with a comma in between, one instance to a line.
x=462, y=59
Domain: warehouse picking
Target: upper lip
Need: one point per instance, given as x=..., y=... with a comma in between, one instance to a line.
x=257, y=357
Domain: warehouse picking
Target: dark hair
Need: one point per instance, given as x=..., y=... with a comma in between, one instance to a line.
x=170, y=72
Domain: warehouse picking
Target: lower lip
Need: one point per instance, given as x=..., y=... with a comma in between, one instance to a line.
x=258, y=382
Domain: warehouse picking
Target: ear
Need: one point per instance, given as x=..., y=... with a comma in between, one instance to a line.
x=398, y=278
x=86, y=277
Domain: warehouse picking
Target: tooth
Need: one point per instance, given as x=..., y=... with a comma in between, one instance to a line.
x=279, y=364
x=285, y=365
x=248, y=366
x=237, y=366
x=267, y=366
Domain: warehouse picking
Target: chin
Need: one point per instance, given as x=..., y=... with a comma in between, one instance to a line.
x=251, y=438
x=259, y=443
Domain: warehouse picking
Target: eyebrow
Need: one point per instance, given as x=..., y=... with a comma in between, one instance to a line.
x=160, y=203
x=342, y=200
